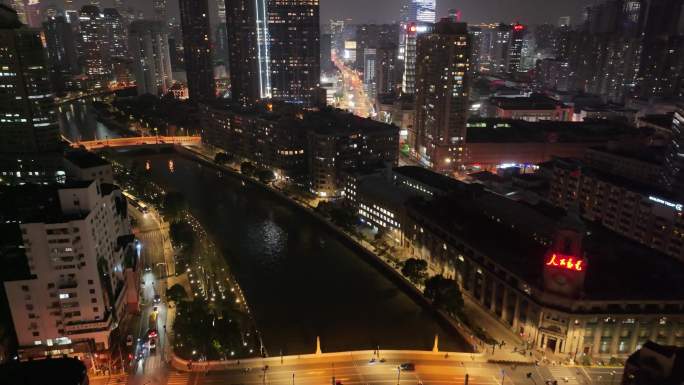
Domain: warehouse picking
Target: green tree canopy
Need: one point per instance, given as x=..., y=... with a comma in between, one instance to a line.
x=182, y=234
x=176, y=293
x=174, y=205
x=445, y=294
x=414, y=269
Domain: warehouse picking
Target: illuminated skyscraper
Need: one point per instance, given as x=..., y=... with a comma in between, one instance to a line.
x=93, y=49
x=248, y=39
x=442, y=71
x=294, y=49
x=29, y=120
x=424, y=11
x=149, y=47
x=197, y=49
x=116, y=43
x=221, y=7
x=62, y=54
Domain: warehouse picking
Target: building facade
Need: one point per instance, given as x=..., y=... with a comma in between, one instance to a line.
x=197, y=49
x=149, y=47
x=78, y=245
x=248, y=39
x=294, y=50
x=442, y=79
x=28, y=122
x=93, y=47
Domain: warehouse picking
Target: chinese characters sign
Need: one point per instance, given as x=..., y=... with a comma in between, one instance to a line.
x=565, y=261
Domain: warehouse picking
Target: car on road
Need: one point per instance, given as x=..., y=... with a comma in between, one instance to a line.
x=153, y=345
x=129, y=340
x=157, y=298
x=408, y=366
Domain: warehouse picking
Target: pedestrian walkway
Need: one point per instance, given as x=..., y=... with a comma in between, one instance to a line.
x=178, y=378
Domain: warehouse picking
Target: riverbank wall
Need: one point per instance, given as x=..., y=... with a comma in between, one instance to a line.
x=453, y=327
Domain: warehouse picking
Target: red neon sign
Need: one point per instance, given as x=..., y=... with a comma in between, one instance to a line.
x=566, y=261
x=518, y=27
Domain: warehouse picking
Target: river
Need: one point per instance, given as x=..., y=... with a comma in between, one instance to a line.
x=77, y=122
x=300, y=280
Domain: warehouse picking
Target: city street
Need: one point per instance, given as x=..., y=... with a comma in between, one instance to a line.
x=354, y=98
x=429, y=369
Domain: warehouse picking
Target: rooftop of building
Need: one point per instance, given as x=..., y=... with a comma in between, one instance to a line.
x=33, y=203
x=660, y=120
x=379, y=187
x=492, y=130
x=54, y=371
x=516, y=235
x=431, y=178
x=617, y=180
x=646, y=154
x=533, y=102
x=85, y=159
x=329, y=121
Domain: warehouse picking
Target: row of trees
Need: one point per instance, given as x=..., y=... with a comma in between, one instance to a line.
x=444, y=293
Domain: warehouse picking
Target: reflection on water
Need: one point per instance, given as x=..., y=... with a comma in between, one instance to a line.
x=300, y=280
x=77, y=122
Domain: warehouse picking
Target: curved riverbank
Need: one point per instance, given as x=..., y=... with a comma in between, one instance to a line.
x=372, y=259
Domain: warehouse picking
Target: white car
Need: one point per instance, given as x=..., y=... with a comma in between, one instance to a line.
x=129, y=340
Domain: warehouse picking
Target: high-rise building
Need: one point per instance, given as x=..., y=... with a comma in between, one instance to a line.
x=410, y=38
x=176, y=46
x=78, y=246
x=116, y=40
x=373, y=36
x=197, y=49
x=337, y=35
x=248, y=39
x=62, y=53
x=149, y=48
x=159, y=8
x=294, y=50
x=326, y=52
x=221, y=8
x=442, y=71
x=93, y=46
x=424, y=11
x=515, y=48
x=29, y=120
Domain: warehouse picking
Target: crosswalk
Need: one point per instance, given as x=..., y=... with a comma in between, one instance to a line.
x=560, y=374
x=178, y=378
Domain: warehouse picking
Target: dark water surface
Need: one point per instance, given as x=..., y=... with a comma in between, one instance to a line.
x=300, y=281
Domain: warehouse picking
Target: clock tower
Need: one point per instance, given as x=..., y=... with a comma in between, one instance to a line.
x=565, y=264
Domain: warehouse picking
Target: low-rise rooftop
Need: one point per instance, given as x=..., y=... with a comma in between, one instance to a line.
x=516, y=235
x=491, y=130
x=85, y=159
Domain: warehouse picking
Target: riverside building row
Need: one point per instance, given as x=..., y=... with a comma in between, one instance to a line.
x=308, y=147
x=563, y=285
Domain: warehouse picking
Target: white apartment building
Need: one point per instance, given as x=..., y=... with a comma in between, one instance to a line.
x=76, y=240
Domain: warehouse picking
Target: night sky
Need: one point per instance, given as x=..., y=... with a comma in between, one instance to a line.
x=474, y=11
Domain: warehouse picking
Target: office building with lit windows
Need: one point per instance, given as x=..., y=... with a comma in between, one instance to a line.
x=93, y=47
x=199, y=66
x=78, y=248
x=442, y=85
x=149, y=48
x=248, y=39
x=294, y=50
x=28, y=119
